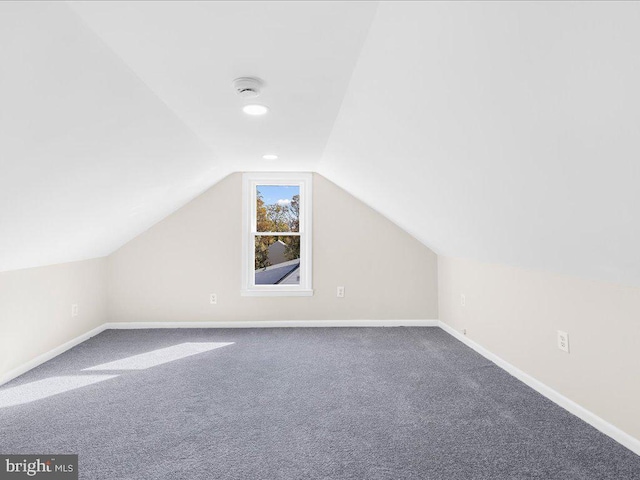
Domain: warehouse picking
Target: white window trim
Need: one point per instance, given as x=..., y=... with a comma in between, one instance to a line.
x=249, y=183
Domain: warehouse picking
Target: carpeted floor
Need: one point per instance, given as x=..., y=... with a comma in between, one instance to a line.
x=292, y=404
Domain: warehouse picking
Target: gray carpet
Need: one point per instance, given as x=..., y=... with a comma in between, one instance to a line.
x=317, y=403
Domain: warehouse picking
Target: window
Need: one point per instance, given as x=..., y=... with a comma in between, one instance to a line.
x=276, y=243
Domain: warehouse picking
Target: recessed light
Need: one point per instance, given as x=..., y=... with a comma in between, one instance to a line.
x=270, y=157
x=255, y=109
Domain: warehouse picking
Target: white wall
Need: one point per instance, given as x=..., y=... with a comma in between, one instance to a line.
x=515, y=313
x=168, y=272
x=35, y=308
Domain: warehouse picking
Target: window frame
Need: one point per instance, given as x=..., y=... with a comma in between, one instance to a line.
x=250, y=182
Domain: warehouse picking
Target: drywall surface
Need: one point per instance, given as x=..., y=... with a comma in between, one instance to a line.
x=87, y=152
x=35, y=308
x=516, y=314
x=487, y=139
x=168, y=272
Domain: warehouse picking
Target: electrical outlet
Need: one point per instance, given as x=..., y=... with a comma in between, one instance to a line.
x=563, y=341
x=463, y=300
x=74, y=310
x=340, y=292
x=213, y=299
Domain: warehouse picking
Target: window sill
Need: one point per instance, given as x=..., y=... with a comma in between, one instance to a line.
x=276, y=293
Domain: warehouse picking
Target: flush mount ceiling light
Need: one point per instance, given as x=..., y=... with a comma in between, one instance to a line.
x=270, y=157
x=250, y=87
x=254, y=109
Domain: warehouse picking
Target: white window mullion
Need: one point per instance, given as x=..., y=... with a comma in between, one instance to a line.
x=277, y=234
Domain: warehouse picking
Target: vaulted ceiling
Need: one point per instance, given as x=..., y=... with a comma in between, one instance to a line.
x=502, y=132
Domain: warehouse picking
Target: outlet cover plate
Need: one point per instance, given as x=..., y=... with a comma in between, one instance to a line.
x=563, y=341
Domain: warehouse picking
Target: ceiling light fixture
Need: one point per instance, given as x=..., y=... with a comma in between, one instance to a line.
x=254, y=109
x=270, y=157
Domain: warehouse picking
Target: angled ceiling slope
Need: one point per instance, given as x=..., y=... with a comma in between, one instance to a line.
x=114, y=114
x=505, y=132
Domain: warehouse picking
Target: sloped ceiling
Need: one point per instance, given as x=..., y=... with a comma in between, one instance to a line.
x=114, y=114
x=89, y=156
x=504, y=131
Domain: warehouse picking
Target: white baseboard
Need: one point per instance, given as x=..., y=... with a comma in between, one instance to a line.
x=45, y=357
x=275, y=324
x=591, y=418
